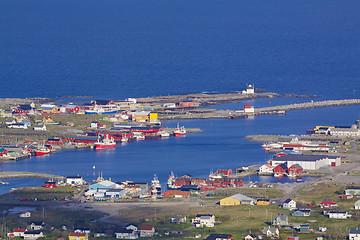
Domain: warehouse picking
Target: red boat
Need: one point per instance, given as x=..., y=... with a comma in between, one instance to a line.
x=180, y=131
x=42, y=151
x=105, y=143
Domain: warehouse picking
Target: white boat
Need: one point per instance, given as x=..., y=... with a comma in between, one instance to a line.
x=155, y=187
x=140, y=137
x=180, y=131
x=124, y=139
x=1, y=182
x=164, y=134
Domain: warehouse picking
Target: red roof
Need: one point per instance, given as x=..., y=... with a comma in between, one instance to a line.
x=149, y=228
x=19, y=230
x=293, y=145
x=246, y=106
x=75, y=234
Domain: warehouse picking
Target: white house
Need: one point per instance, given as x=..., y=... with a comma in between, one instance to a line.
x=271, y=232
x=308, y=161
x=289, y=204
x=18, y=232
x=126, y=234
x=18, y=126
x=25, y=214
x=250, y=237
x=75, y=180
x=203, y=220
x=338, y=215
x=40, y=127
x=357, y=205
x=36, y=225
x=147, y=231
x=354, y=234
x=33, y=234
x=250, y=89
x=266, y=169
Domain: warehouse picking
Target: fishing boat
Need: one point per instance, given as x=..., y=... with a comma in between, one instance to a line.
x=4, y=183
x=140, y=137
x=164, y=134
x=42, y=151
x=180, y=131
x=155, y=187
x=105, y=143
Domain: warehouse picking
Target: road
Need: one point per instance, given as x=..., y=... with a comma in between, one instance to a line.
x=301, y=185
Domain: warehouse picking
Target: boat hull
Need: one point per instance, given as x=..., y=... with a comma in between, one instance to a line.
x=103, y=146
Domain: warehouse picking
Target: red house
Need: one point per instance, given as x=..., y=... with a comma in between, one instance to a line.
x=50, y=184
x=224, y=172
x=186, y=104
x=54, y=141
x=23, y=109
x=3, y=152
x=237, y=182
x=295, y=169
x=176, y=193
x=72, y=108
x=180, y=182
x=328, y=204
x=280, y=169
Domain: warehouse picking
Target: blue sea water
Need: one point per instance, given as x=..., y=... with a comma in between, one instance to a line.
x=139, y=48
x=122, y=48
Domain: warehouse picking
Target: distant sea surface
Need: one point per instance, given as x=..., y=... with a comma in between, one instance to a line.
x=138, y=48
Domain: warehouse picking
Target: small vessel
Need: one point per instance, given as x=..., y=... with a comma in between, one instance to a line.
x=140, y=137
x=1, y=182
x=171, y=181
x=94, y=167
x=42, y=151
x=124, y=139
x=180, y=131
x=214, y=176
x=164, y=134
x=264, y=145
x=105, y=143
x=155, y=187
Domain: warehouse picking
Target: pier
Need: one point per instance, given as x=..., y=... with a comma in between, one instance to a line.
x=29, y=175
x=234, y=114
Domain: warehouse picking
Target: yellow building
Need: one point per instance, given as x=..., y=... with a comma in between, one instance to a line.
x=153, y=116
x=263, y=202
x=78, y=236
x=48, y=108
x=229, y=201
x=236, y=199
x=142, y=116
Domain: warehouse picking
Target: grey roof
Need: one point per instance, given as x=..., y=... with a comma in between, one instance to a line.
x=305, y=157
x=297, y=166
x=353, y=188
x=215, y=236
x=241, y=197
x=282, y=217
x=354, y=231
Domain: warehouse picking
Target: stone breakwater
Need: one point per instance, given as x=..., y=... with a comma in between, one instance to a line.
x=29, y=175
x=211, y=113
x=295, y=106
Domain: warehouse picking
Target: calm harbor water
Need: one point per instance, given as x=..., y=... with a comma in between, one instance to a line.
x=220, y=145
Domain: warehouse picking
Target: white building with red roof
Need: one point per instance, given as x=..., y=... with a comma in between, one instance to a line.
x=18, y=232
x=266, y=169
x=147, y=231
